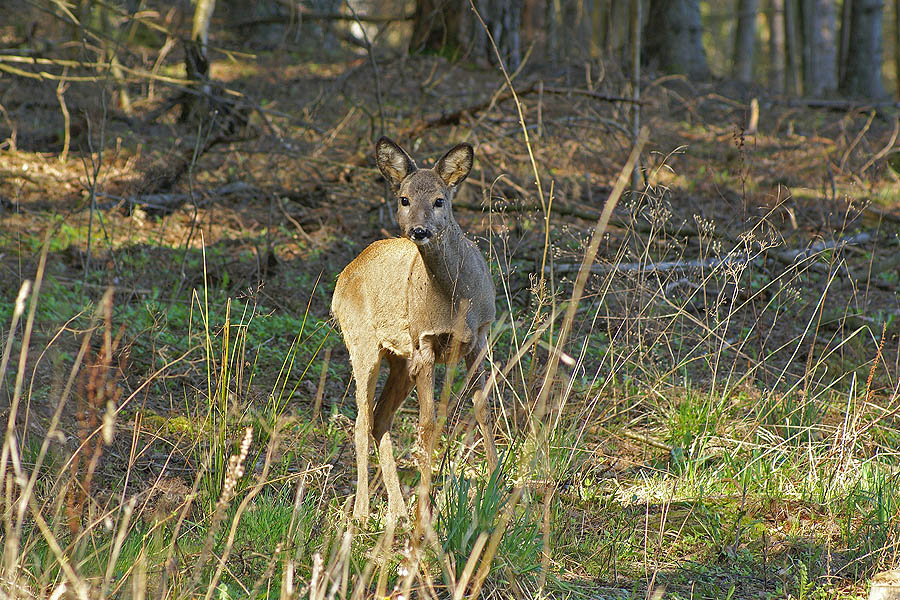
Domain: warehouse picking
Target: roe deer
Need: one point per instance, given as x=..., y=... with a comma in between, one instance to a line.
x=413, y=300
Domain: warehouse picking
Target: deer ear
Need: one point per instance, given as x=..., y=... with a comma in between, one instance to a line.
x=394, y=162
x=454, y=167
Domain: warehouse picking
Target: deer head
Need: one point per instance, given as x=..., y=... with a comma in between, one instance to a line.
x=424, y=196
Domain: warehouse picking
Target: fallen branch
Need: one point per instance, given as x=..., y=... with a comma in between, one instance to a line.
x=887, y=147
x=645, y=439
x=650, y=268
x=787, y=257
x=579, y=211
x=455, y=117
x=168, y=202
x=842, y=105
x=310, y=15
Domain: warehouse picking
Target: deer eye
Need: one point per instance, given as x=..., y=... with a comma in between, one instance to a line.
x=439, y=202
x=404, y=201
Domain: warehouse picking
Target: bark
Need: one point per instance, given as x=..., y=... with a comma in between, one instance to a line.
x=775, y=17
x=791, y=47
x=504, y=18
x=897, y=44
x=846, y=11
x=450, y=26
x=745, y=39
x=436, y=26
x=602, y=15
x=196, y=61
x=532, y=21
x=555, y=31
x=819, y=46
x=862, y=65
x=673, y=38
x=615, y=30
x=580, y=14
x=635, y=29
x=202, y=19
x=584, y=17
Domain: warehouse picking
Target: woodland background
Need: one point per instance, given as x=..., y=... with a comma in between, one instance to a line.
x=695, y=399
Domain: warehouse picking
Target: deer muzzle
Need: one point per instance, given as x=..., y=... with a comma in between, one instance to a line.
x=420, y=235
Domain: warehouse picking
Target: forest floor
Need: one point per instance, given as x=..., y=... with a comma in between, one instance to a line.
x=724, y=422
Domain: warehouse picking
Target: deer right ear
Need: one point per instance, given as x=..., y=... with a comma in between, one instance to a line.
x=454, y=166
x=394, y=162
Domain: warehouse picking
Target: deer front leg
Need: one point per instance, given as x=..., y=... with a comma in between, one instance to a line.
x=361, y=437
x=425, y=387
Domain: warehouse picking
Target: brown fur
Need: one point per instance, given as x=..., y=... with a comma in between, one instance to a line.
x=409, y=300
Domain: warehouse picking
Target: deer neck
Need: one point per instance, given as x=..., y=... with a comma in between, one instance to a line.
x=445, y=259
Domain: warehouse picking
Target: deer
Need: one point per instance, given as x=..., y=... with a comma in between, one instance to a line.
x=413, y=301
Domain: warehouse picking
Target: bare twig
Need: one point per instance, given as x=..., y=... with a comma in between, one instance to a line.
x=377, y=77
x=93, y=177
x=67, y=129
x=856, y=140
x=515, y=97
x=536, y=87
x=887, y=147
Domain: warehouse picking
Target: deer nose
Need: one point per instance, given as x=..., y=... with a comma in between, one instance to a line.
x=419, y=234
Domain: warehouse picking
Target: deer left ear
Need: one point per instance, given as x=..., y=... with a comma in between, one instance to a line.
x=454, y=166
x=395, y=164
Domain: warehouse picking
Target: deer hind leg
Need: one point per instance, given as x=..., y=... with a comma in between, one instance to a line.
x=474, y=362
x=365, y=374
x=395, y=391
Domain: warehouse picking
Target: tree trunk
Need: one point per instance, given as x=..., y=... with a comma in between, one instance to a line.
x=196, y=62
x=532, y=22
x=673, y=38
x=897, y=44
x=775, y=17
x=827, y=52
x=745, y=39
x=791, y=46
x=449, y=26
x=635, y=31
x=436, y=26
x=504, y=18
x=202, y=19
x=616, y=31
x=862, y=65
x=581, y=14
x=846, y=11
x=819, y=46
x=555, y=30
